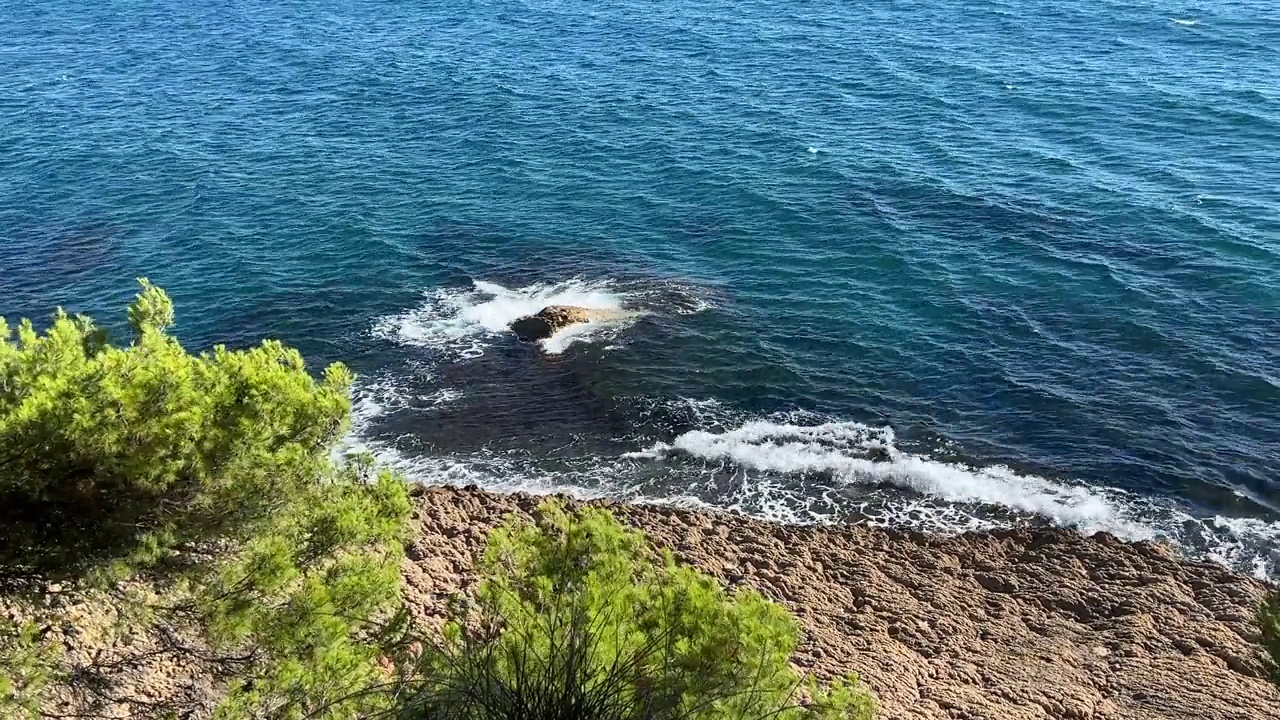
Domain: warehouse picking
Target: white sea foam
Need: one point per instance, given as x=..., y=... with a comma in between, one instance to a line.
x=1184, y=21
x=462, y=321
x=495, y=472
x=688, y=303
x=765, y=458
x=946, y=494
x=1234, y=542
x=373, y=398
x=584, y=332
x=378, y=396
x=855, y=453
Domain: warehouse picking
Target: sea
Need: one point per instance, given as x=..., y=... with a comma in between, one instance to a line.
x=946, y=265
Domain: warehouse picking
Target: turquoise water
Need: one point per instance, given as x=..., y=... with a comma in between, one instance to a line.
x=946, y=264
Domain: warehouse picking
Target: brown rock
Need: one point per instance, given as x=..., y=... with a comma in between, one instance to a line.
x=1024, y=624
x=552, y=319
x=1005, y=625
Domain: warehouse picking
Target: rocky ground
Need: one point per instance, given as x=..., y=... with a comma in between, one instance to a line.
x=1009, y=625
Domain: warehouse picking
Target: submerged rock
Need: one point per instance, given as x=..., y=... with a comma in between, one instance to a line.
x=552, y=319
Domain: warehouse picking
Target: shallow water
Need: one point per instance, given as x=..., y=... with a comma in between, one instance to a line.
x=947, y=264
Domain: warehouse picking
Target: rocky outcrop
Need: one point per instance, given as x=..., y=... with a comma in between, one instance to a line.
x=552, y=319
x=1025, y=624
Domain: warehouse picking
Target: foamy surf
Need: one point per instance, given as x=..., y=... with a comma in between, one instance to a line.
x=462, y=321
x=586, y=332
x=855, y=453
x=946, y=494
x=798, y=468
x=376, y=399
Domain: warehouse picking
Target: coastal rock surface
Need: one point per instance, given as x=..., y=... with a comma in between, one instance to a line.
x=1020, y=624
x=1024, y=624
x=552, y=319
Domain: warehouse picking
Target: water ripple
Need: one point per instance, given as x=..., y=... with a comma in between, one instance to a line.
x=1041, y=236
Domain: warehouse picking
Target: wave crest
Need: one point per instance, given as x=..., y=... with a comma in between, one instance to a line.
x=852, y=452
x=461, y=321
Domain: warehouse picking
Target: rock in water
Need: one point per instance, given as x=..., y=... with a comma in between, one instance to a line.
x=552, y=319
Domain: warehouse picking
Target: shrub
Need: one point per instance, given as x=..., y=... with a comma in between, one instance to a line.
x=128, y=452
x=307, y=607
x=207, y=481
x=26, y=668
x=577, y=617
x=209, y=478
x=1269, y=623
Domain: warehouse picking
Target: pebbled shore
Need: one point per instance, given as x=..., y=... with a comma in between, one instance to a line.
x=1005, y=625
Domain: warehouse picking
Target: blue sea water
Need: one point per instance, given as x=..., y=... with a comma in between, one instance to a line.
x=948, y=264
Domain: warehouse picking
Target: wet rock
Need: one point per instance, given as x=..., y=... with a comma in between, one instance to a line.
x=552, y=319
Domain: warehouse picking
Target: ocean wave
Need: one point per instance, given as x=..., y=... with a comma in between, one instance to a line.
x=802, y=468
x=855, y=453
x=767, y=455
x=373, y=399
x=683, y=300
x=380, y=395
x=461, y=322
x=498, y=472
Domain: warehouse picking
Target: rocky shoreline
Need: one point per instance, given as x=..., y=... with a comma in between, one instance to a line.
x=1005, y=625
x=1025, y=624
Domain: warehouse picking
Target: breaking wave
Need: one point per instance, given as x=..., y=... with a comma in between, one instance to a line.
x=851, y=452
x=947, y=497
x=462, y=321
x=790, y=468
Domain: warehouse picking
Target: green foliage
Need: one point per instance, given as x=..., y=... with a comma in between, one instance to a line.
x=210, y=478
x=1269, y=623
x=111, y=453
x=26, y=668
x=206, y=483
x=314, y=601
x=151, y=311
x=578, y=617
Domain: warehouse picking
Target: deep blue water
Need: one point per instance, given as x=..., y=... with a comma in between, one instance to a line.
x=950, y=264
